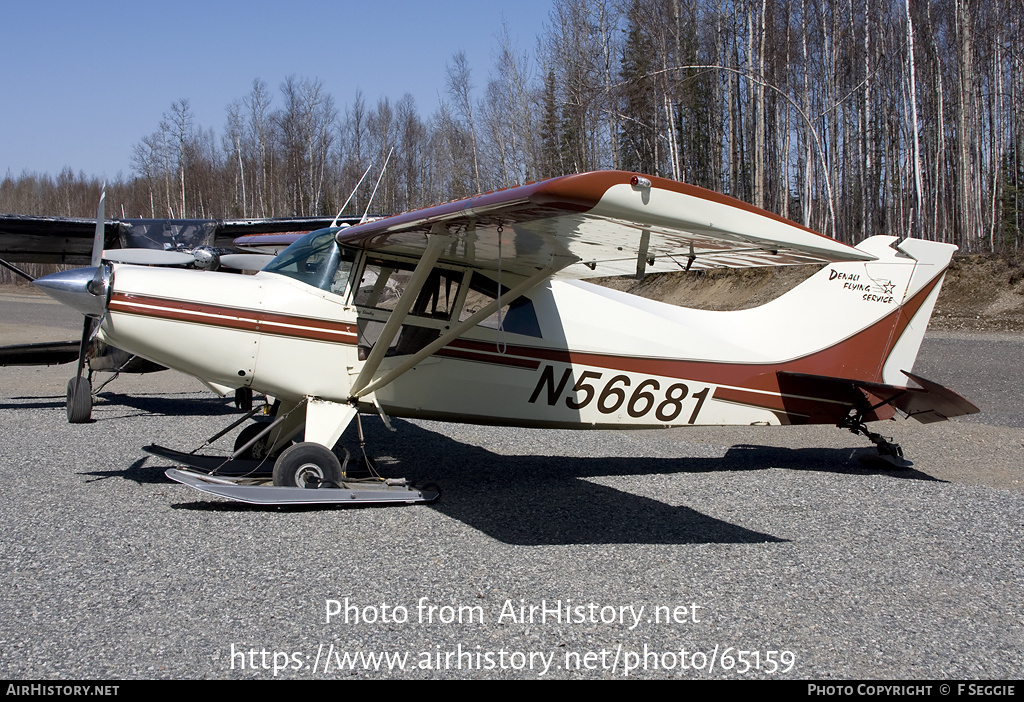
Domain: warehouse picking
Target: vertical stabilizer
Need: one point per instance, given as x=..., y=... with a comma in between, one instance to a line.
x=864, y=320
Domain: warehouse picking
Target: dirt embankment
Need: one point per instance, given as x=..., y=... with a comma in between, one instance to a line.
x=982, y=292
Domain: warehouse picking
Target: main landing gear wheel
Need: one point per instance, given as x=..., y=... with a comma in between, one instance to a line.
x=79, y=405
x=257, y=451
x=307, y=465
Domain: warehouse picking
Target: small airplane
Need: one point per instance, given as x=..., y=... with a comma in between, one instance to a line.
x=477, y=311
x=202, y=244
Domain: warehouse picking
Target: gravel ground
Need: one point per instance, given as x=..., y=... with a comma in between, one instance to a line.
x=768, y=540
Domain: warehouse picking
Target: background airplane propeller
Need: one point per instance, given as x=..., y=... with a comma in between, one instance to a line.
x=204, y=258
x=148, y=257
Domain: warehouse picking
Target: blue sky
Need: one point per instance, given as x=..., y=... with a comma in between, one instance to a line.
x=81, y=83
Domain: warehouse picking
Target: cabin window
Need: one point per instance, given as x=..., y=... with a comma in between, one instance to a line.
x=517, y=316
x=383, y=281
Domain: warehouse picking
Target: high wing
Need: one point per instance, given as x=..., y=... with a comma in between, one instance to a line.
x=608, y=223
x=30, y=239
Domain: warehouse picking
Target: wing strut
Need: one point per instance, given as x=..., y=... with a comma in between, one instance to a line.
x=641, y=254
x=459, y=329
x=436, y=241
x=16, y=270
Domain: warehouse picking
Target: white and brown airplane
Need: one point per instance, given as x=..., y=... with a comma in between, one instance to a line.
x=476, y=311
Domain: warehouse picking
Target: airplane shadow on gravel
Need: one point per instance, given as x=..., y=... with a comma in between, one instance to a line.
x=188, y=405
x=138, y=472
x=159, y=405
x=547, y=500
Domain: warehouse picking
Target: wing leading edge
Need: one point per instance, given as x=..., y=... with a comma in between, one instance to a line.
x=612, y=222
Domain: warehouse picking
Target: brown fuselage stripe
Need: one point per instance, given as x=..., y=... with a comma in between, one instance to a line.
x=234, y=318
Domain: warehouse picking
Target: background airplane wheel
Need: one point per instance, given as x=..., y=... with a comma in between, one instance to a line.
x=257, y=451
x=79, y=405
x=307, y=465
x=243, y=399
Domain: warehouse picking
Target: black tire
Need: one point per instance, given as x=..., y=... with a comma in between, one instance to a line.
x=243, y=399
x=79, y=405
x=307, y=465
x=258, y=451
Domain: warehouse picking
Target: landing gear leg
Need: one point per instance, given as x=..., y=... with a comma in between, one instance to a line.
x=364, y=467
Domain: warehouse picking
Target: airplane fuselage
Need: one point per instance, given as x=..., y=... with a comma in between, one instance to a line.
x=569, y=354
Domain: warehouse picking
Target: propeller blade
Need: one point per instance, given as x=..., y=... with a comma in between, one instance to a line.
x=148, y=257
x=246, y=262
x=98, y=237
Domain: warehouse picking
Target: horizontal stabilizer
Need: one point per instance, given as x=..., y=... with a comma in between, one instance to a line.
x=933, y=402
x=930, y=402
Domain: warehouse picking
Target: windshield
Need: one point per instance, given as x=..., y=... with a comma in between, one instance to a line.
x=317, y=260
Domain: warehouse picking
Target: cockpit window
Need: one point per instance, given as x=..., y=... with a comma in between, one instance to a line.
x=316, y=259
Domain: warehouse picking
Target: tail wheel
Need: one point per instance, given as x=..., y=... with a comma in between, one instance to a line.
x=79, y=405
x=307, y=465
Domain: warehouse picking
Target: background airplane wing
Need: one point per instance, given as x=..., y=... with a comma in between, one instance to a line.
x=42, y=354
x=614, y=223
x=29, y=239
